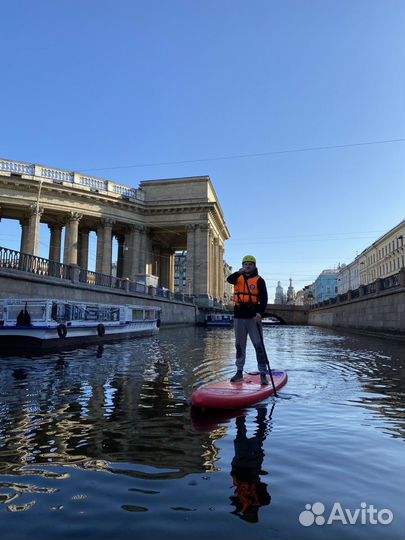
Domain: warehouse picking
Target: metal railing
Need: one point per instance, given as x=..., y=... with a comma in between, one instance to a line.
x=103, y=280
x=15, y=260
x=370, y=288
x=391, y=281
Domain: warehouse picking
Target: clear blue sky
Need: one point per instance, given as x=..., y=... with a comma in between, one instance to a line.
x=92, y=84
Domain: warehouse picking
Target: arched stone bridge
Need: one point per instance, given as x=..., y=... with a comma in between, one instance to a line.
x=287, y=314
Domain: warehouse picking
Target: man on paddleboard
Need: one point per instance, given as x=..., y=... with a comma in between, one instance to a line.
x=250, y=298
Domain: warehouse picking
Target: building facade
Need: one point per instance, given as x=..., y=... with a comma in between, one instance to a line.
x=149, y=224
x=348, y=277
x=325, y=285
x=385, y=257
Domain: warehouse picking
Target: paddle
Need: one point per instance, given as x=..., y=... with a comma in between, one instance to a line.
x=267, y=360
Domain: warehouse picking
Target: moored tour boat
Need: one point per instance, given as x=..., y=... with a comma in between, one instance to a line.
x=219, y=319
x=27, y=324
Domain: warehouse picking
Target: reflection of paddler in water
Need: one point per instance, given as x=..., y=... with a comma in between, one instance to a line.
x=250, y=492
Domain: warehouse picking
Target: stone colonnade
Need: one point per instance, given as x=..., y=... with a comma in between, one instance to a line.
x=132, y=242
x=137, y=254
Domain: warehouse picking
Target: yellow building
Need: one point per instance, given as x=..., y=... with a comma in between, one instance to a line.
x=385, y=256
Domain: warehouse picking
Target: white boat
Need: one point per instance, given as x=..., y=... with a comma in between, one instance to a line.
x=45, y=324
x=270, y=322
x=219, y=319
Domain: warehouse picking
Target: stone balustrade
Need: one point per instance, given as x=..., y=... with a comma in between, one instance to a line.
x=74, y=178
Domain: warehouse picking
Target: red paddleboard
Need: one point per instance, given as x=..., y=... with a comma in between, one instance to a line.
x=227, y=395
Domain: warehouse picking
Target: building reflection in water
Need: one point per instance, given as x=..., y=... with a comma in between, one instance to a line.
x=129, y=408
x=250, y=492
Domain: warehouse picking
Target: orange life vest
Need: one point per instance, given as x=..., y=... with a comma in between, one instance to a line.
x=243, y=294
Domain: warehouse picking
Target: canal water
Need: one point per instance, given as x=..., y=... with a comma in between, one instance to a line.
x=101, y=443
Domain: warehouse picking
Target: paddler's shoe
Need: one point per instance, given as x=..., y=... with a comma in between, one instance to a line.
x=237, y=377
x=263, y=379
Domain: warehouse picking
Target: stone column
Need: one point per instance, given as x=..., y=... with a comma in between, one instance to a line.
x=211, y=275
x=132, y=257
x=144, y=265
x=100, y=247
x=71, y=238
x=221, y=272
x=202, y=261
x=165, y=269
x=32, y=242
x=55, y=241
x=84, y=248
x=190, y=271
x=24, y=234
x=107, y=251
x=120, y=254
x=139, y=254
x=148, y=261
x=216, y=269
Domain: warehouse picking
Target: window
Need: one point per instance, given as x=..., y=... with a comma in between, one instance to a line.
x=137, y=314
x=150, y=314
x=37, y=312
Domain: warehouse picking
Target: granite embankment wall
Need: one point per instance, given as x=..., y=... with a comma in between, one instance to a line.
x=380, y=313
x=26, y=285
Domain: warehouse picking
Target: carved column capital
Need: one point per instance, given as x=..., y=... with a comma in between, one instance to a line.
x=55, y=226
x=73, y=216
x=35, y=210
x=108, y=222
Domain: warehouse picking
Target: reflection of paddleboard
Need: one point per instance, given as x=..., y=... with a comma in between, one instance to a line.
x=227, y=395
x=207, y=421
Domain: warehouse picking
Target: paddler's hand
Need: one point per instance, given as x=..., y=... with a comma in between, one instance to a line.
x=241, y=271
x=257, y=318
